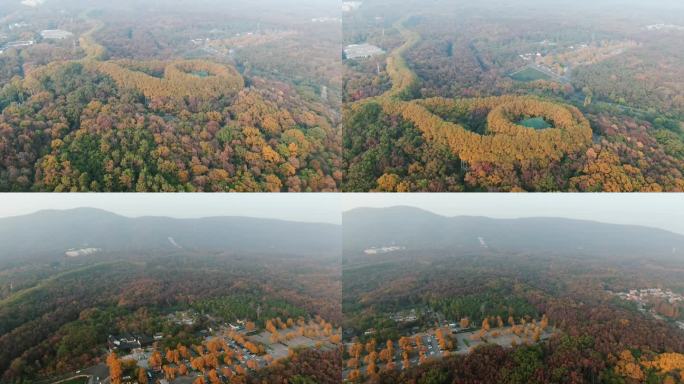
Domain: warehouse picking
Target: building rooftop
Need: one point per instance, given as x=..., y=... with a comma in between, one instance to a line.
x=55, y=34
x=358, y=51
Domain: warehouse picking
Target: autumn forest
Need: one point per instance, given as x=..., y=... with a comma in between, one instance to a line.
x=107, y=112
x=503, y=98
x=341, y=191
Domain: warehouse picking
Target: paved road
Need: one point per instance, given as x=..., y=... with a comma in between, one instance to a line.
x=96, y=371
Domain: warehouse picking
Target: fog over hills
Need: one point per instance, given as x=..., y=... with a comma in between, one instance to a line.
x=52, y=232
x=264, y=6
x=417, y=230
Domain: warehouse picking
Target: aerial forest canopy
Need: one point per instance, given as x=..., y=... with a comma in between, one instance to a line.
x=98, y=124
x=469, y=299
x=449, y=109
x=174, y=285
x=196, y=78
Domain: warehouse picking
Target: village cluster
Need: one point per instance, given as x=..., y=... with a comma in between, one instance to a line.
x=660, y=303
x=446, y=337
x=646, y=295
x=227, y=349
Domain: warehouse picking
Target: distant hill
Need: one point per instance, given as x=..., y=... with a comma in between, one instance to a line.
x=417, y=229
x=53, y=232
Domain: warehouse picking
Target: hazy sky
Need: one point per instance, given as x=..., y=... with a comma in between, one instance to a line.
x=659, y=210
x=655, y=210
x=324, y=208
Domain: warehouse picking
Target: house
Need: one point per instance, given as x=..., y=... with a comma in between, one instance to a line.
x=128, y=343
x=235, y=327
x=124, y=344
x=360, y=51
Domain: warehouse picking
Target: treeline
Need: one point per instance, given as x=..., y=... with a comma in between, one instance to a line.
x=254, y=307
x=194, y=78
x=505, y=141
x=306, y=366
x=477, y=308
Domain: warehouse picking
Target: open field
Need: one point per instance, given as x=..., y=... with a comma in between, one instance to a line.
x=535, y=122
x=529, y=74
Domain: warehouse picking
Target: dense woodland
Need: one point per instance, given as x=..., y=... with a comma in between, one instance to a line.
x=126, y=105
x=388, y=153
x=309, y=366
x=624, y=80
x=117, y=294
x=77, y=131
x=600, y=339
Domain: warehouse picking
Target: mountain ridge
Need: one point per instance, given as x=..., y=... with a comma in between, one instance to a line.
x=418, y=229
x=60, y=230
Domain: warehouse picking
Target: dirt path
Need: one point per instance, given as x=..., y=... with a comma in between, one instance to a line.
x=400, y=74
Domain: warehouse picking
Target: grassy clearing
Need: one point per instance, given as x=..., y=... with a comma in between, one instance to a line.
x=535, y=122
x=529, y=74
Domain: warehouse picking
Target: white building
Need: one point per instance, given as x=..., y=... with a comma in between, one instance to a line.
x=360, y=51
x=348, y=6
x=55, y=34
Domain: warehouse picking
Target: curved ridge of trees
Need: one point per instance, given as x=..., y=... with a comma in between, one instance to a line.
x=493, y=151
x=93, y=49
x=504, y=140
x=398, y=138
x=178, y=79
x=69, y=128
x=404, y=80
x=186, y=125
